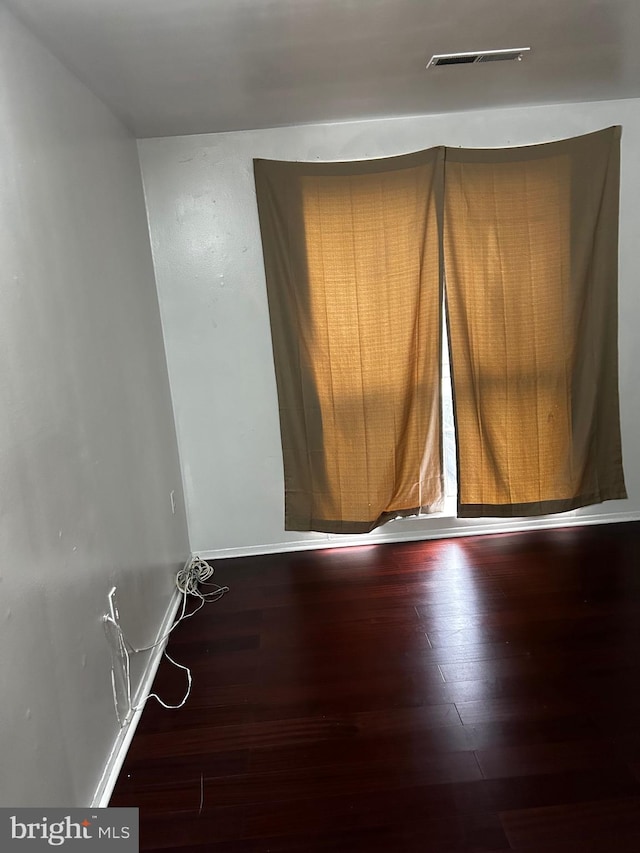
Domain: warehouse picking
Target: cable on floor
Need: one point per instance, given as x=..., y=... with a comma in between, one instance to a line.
x=189, y=580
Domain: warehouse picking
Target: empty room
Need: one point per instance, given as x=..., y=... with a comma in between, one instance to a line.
x=321, y=425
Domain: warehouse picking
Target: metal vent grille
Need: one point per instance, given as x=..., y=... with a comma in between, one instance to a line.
x=470, y=58
x=500, y=57
x=456, y=60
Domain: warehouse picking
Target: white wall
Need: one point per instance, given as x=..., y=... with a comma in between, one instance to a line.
x=206, y=245
x=87, y=442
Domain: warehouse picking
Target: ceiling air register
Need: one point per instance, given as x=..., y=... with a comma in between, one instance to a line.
x=472, y=57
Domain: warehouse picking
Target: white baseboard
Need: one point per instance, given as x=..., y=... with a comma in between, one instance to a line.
x=454, y=528
x=123, y=739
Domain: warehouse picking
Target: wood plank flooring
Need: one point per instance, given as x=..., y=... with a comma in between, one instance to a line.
x=473, y=694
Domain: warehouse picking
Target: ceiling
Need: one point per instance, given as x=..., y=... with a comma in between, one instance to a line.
x=170, y=67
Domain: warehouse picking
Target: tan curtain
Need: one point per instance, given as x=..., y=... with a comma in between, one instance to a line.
x=531, y=248
x=352, y=261
x=355, y=256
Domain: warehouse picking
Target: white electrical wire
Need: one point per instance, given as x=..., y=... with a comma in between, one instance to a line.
x=155, y=695
x=188, y=580
x=118, y=647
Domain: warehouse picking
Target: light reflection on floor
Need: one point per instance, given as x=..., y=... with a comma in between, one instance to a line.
x=454, y=598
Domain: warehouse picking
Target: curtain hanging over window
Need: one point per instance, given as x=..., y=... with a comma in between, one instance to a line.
x=355, y=257
x=531, y=259
x=354, y=286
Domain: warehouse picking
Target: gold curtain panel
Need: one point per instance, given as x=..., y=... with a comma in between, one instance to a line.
x=356, y=255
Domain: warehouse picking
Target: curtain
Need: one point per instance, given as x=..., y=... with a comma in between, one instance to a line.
x=524, y=242
x=353, y=272
x=531, y=252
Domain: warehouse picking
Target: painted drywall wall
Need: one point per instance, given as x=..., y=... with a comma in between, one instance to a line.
x=206, y=245
x=88, y=455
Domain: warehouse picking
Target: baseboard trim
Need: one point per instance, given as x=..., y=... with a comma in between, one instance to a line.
x=462, y=527
x=123, y=739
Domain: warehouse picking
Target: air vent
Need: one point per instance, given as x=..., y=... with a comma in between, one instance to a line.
x=460, y=59
x=507, y=55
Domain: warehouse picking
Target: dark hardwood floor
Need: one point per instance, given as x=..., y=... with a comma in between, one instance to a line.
x=473, y=694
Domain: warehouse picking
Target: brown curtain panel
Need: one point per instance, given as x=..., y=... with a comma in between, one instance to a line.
x=353, y=267
x=531, y=251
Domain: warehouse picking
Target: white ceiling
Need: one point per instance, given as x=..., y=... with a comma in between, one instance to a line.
x=172, y=67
